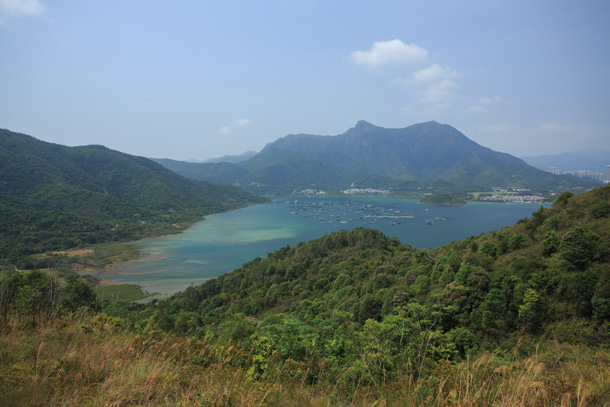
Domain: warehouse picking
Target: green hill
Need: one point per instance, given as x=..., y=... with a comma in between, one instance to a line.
x=358, y=308
x=56, y=197
x=370, y=156
x=517, y=317
x=561, y=254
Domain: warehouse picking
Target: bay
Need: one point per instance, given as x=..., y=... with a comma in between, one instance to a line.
x=225, y=241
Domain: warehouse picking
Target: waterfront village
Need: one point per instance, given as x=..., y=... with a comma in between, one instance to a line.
x=516, y=195
x=499, y=194
x=350, y=191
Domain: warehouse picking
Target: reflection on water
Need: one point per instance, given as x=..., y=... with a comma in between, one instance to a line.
x=223, y=242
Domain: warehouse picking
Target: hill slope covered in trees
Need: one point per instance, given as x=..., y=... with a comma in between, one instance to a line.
x=551, y=268
x=518, y=316
x=54, y=197
x=361, y=307
x=430, y=154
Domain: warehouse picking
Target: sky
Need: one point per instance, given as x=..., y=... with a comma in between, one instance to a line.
x=191, y=80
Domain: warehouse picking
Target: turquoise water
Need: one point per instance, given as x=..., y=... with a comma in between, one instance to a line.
x=225, y=241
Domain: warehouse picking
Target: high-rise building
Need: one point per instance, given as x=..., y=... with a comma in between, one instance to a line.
x=607, y=174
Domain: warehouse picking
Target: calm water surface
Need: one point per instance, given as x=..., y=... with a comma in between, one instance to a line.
x=225, y=241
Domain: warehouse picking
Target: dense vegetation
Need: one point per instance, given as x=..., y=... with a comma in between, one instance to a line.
x=443, y=199
x=518, y=316
x=545, y=273
x=54, y=197
x=420, y=156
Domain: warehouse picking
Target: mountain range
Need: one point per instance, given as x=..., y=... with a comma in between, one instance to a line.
x=55, y=197
x=426, y=154
x=232, y=158
x=593, y=160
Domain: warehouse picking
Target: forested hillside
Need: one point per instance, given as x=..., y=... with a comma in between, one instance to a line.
x=422, y=155
x=54, y=197
x=518, y=316
x=549, y=269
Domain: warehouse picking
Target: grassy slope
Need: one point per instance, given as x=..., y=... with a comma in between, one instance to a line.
x=93, y=361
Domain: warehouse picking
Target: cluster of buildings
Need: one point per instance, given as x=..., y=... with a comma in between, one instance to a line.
x=516, y=195
x=359, y=191
x=598, y=176
x=310, y=191
x=514, y=198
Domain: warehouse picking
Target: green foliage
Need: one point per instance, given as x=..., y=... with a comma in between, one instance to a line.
x=37, y=296
x=465, y=341
x=356, y=310
x=422, y=155
x=563, y=198
x=529, y=311
x=516, y=241
x=54, y=197
x=551, y=242
x=77, y=294
x=579, y=246
x=364, y=302
x=601, y=299
x=443, y=199
x=488, y=249
x=600, y=209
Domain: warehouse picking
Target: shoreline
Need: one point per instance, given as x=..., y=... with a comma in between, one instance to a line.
x=137, y=255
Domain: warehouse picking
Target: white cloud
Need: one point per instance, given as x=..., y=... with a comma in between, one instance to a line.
x=476, y=109
x=385, y=53
x=494, y=128
x=483, y=103
x=435, y=81
x=19, y=8
x=434, y=73
x=490, y=100
x=433, y=85
x=437, y=91
x=561, y=128
x=236, y=123
x=241, y=122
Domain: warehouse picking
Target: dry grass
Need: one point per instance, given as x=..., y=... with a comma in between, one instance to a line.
x=91, y=361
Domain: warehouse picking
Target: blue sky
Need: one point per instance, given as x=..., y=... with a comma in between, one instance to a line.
x=200, y=79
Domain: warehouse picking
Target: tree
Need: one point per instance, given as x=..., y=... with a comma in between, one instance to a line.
x=562, y=200
x=531, y=311
x=465, y=341
x=488, y=249
x=551, y=242
x=516, y=241
x=37, y=298
x=600, y=301
x=600, y=209
x=77, y=293
x=578, y=246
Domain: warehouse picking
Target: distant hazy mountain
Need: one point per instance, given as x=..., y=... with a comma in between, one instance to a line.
x=367, y=155
x=76, y=195
x=587, y=159
x=232, y=158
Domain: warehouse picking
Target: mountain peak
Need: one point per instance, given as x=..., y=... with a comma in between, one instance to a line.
x=364, y=125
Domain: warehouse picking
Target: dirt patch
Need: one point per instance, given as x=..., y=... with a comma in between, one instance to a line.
x=74, y=253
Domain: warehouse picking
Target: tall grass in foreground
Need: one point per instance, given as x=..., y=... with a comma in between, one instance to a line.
x=92, y=361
